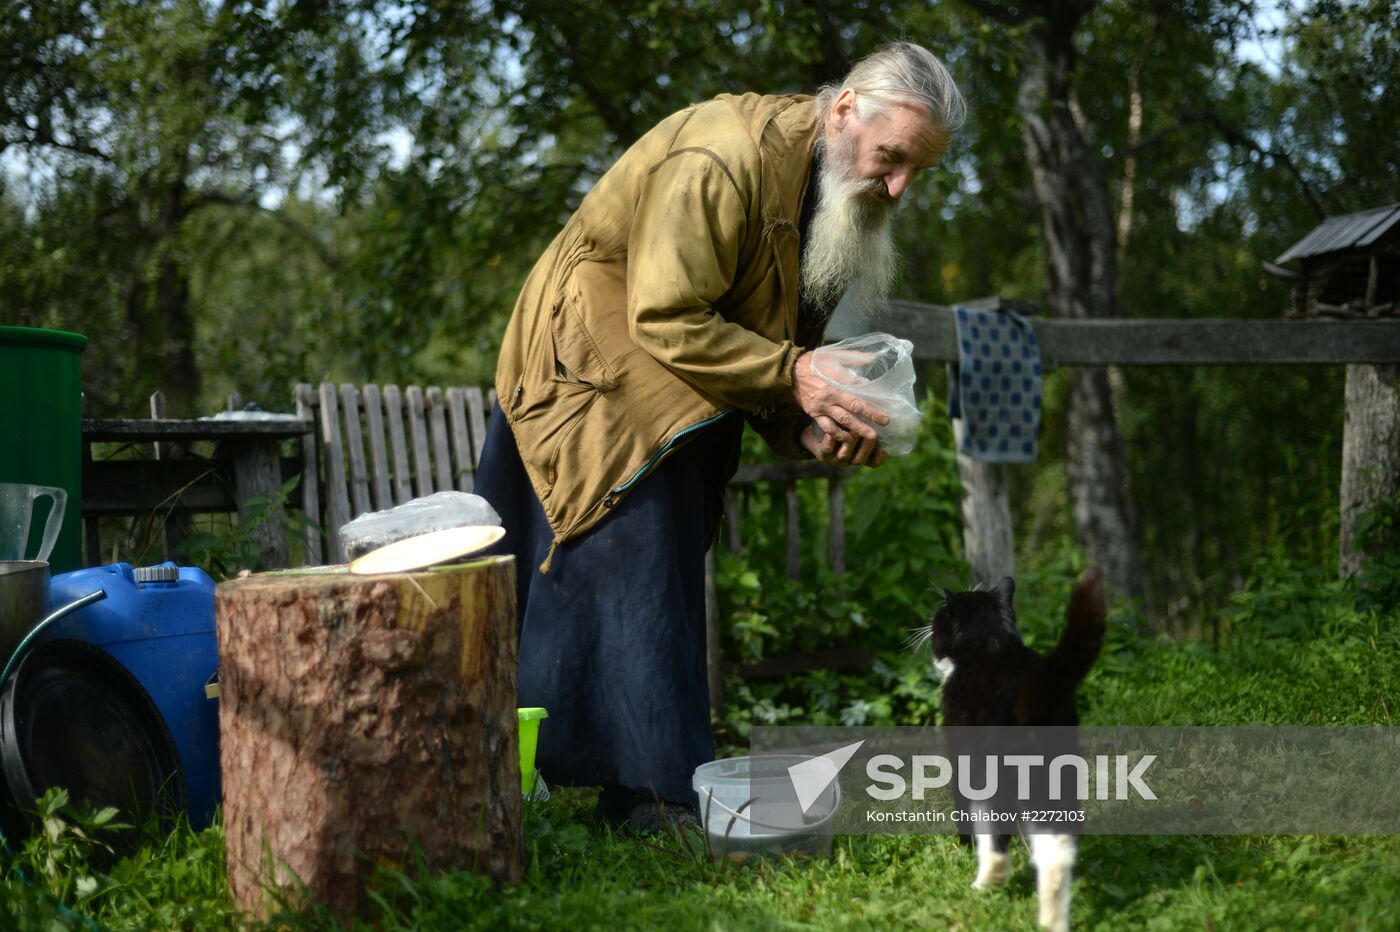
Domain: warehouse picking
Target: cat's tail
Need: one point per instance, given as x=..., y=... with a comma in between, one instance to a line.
x=1065, y=667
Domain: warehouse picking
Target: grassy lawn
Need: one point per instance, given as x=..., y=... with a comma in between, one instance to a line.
x=579, y=875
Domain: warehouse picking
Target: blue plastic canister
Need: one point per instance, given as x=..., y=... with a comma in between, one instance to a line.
x=162, y=630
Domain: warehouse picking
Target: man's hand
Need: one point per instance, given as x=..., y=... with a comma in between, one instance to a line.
x=838, y=416
x=827, y=450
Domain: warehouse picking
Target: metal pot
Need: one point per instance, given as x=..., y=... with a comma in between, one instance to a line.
x=24, y=592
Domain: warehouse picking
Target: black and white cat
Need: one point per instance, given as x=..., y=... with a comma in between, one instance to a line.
x=991, y=678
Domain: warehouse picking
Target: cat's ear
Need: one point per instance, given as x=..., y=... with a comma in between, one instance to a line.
x=1005, y=590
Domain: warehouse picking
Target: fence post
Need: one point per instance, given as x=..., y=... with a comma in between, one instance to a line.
x=176, y=526
x=986, y=510
x=1370, y=453
x=713, y=661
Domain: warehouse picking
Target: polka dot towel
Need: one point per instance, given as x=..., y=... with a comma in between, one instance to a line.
x=995, y=388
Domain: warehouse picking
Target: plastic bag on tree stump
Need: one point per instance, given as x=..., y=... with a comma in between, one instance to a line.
x=877, y=368
x=435, y=512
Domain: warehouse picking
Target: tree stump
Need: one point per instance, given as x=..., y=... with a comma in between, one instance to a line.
x=361, y=716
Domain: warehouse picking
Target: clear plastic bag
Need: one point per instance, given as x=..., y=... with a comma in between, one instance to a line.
x=877, y=368
x=435, y=512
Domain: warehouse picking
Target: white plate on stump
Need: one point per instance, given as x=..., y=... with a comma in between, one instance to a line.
x=424, y=550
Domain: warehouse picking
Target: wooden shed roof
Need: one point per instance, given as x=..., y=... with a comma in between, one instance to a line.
x=1347, y=231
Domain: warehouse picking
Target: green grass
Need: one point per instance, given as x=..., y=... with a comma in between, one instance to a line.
x=1340, y=668
x=581, y=876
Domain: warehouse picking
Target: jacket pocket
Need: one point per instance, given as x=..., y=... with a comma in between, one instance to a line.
x=577, y=358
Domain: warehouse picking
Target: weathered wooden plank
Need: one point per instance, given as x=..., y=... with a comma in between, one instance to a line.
x=1218, y=342
x=337, y=497
x=734, y=541
x=355, y=450
x=157, y=414
x=786, y=471
x=1370, y=459
x=113, y=488
x=92, y=536
x=442, y=453
x=193, y=485
x=463, y=464
x=928, y=326
x=139, y=430
x=310, y=478
x=713, y=661
x=393, y=409
x=257, y=478
x=794, y=531
x=418, y=434
x=1143, y=342
x=843, y=658
x=836, y=524
x=175, y=530
x=378, y=457
x=477, y=410
x=986, y=511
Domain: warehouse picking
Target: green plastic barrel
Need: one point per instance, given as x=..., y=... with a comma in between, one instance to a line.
x=41, y=410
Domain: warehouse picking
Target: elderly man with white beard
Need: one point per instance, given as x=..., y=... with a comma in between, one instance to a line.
x=681, y=300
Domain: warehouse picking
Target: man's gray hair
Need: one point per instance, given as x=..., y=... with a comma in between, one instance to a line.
x=901, y=72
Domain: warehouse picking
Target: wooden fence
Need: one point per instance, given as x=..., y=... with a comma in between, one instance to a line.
x=444, y=434
x=987, y=513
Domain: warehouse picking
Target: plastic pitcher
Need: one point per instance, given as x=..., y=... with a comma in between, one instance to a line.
x=16, y=512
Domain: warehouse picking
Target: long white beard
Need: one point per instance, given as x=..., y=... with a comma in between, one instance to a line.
x=849, y=241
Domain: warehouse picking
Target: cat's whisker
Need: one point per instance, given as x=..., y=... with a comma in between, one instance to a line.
x=918, y=638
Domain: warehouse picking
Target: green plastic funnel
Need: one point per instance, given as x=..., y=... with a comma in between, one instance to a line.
x=529, y=720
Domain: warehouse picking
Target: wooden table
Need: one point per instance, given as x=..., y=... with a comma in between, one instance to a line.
x=247, y=450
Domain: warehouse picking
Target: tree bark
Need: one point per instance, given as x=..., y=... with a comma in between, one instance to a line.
x=363, y=716
x=172, y=299
x=1370, y=454
x=1077, y=222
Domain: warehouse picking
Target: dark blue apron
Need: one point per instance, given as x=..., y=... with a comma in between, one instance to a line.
x=612, y=638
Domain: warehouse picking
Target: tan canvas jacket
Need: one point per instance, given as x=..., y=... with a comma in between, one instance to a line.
x=669, y=299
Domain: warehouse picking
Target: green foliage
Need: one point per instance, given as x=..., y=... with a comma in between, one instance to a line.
x=70, y=838
x=902, y=541
x=1291, y=648
x=1378, y=534
x=130, y=120
x=578, y=873
x=82, y=865
x=238, y=197
x=224, y=547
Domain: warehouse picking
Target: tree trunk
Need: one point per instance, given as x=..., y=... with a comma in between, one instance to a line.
x=362, y=716
x=1077, y=222
x=1103, y=515
x=172, y=301
x=1370, y=453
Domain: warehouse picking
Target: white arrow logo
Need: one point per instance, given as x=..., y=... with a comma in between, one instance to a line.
x=811, y=777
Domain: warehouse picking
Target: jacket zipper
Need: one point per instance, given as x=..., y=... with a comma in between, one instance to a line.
x=612, y=496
